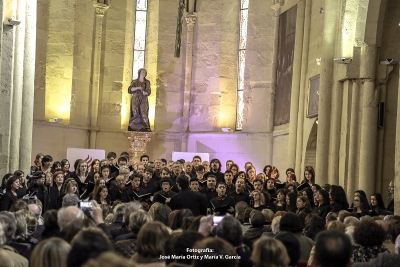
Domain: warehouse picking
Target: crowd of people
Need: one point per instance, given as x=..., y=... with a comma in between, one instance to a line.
x=177, y=213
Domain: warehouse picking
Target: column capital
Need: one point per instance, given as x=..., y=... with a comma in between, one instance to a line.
x=100, y=8
x=277, y=9
x=191, y=18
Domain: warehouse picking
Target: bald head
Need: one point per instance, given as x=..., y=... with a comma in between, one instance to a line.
x=68, y=215
x=35, y=209
x=383, y=224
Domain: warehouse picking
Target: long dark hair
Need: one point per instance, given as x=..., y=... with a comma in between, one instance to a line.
x=325, y=195
x=339, y=196
x=379, y=202
x=364, y=204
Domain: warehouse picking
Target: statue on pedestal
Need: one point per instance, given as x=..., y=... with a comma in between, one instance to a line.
x=140, y=90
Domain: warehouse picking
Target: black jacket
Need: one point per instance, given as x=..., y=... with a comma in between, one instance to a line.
x=187, y=199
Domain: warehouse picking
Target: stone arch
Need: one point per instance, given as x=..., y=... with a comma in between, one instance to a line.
x=311, y=147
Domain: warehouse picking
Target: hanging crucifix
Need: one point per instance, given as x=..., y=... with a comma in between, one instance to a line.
x=181, y=10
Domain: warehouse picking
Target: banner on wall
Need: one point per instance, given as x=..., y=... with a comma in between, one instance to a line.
x=87, y=155
x=188, y=156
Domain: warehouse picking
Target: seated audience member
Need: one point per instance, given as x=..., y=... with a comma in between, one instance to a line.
x=178, y=244
x=177, y=220
x=127, y=247
x=87, y=244
x=292, y=246
x=22, y=241
x=107, y=259
x=336, y=225
x=51, y=252
x=165, y=194
x=314, y=224
x=187, y=199
x=333, y=249
x=222, y=204
x=291, y=222
x=162, y=214
x=369, y=236
x=50, y=224
x=230, y=230
x=119, y=232
x=269, y=252
x=331, y=216
x=257, y=226
x=66, y=216
x=70, y=200
x=218, y=247
x=150, y=244
x=8, y=253
x=37, y=211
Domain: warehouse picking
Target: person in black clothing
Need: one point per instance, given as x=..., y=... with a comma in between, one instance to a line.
x=228, y=177
x=165, y=194
x=258, y=185
x=240, y=194
x=11, y=193
x=120, y=192
x=323, y=206
x=215, y=170
x=148, y=184
x=55, y=192
x=377, y=206
x=210, y=191
x=222, y=203
x=194, y=185
x=270, y=187
x=112, y=156
x=338, y=198
x=186, y=199
x=176, y=171
x=135, y=192
x=390, y=206
x=360, y=206
x=103, y=196
x=200, y=171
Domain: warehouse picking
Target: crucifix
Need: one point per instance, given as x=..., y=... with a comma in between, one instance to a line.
x=181, y=9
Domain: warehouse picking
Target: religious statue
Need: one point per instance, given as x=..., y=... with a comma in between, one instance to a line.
x=140, y=90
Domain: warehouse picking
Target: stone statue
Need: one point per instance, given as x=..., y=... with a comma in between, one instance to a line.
x=140, y=90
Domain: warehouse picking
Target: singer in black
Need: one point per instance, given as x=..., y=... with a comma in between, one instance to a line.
x=165, y=194
x=240, y=194
x=222, y=203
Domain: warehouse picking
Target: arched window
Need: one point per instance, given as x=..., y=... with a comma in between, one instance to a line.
x=139, y=47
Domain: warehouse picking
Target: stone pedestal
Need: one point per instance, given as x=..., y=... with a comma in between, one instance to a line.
x=137, y=143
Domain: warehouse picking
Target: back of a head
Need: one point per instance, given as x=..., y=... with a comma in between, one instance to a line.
x=70, y=200
x=184, y=241
x=151, y=240
x=230, y=230
x=291, y=222
x=9, y=226
x=269, y=252
x=87, y=244
x=214, y=248
x=108, y=259
x=257, y=219
x=183, y=181
x=137, y=219
x=292, y=246
x=132, y=206
x=333, y=249
x=50, y=252
x=67, y=215
x=369, y=233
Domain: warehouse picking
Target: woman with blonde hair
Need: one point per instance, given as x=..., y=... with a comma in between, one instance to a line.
x=269, y=252
x=70, y=186
x=50, y=252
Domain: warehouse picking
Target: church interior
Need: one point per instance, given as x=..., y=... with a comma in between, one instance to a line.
x=292, y=82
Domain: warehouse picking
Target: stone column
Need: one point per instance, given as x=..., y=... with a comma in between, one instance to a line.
x=18, y=87
x=100, y=9
x=369, y=129
x=185, y=120
x=353, y=138
x=294, y=98
x=7, y=44
x=303, y=91
x=325, y=90
x=274, y=64
x=25, y=144
x=397, y=160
